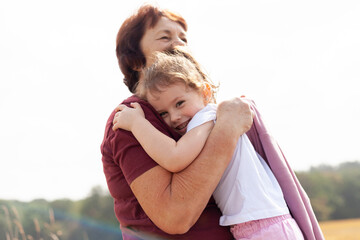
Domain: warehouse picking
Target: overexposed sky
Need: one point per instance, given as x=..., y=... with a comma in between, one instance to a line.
x=59, y=81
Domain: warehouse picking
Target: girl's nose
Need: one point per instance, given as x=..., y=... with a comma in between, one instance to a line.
x=174, y=117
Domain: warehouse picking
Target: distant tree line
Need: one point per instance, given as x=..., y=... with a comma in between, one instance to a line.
x=334, y=193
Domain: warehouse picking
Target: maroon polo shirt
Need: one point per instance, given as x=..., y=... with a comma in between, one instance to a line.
x=123, y=161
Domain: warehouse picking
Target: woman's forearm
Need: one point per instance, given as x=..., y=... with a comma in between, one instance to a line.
x=203, y=175
x=174, y=201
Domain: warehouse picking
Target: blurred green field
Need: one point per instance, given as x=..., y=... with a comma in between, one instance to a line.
x=348, y=229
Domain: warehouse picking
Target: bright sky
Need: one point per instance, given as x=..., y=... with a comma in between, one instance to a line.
x=59, y=81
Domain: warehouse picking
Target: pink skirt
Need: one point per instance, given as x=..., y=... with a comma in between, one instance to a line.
x=281, y=227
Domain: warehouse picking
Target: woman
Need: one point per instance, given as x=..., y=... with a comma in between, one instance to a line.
x=150, y=201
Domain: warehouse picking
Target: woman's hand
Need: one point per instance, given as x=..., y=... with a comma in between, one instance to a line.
x=236, y=115
x=126, y=117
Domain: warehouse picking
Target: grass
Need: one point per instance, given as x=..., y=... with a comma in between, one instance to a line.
x=15, y=229
x=348, y=229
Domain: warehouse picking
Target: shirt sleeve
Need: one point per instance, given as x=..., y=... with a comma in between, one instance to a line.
x=129, y=154
x=206, y=114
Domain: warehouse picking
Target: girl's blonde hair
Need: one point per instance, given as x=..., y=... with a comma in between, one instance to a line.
x=172, y=67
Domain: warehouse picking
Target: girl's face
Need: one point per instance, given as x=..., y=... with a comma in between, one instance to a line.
x=177, y=104
x=165, y=35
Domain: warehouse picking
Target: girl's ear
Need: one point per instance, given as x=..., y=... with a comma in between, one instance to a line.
x=207, y=92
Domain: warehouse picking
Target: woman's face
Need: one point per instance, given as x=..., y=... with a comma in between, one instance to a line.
x=165, y=35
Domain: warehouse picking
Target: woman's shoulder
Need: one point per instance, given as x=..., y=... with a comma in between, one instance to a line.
x=147, y=108
x=134, y=98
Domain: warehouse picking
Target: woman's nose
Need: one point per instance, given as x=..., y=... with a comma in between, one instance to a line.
x=178, y=42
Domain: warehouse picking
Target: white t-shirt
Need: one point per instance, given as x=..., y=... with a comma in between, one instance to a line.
x=248, y=189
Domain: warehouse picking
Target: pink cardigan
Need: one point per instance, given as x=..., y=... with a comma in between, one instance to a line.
x=295, y=196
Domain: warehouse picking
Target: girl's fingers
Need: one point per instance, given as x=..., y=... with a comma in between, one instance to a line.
x=115, y=119
x=120, y=107
x=135, y=104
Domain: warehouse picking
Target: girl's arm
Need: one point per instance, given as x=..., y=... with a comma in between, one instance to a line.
x=171, y=155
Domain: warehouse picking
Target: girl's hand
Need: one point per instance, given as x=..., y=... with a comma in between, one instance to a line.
x=126, y=117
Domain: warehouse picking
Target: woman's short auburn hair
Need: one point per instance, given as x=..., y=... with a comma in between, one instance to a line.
x=130, y=57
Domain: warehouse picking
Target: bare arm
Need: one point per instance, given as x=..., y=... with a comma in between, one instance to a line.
x=168, y=198
x=169, y=154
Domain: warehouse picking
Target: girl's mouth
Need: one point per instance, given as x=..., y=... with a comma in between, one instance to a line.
x=182, y=127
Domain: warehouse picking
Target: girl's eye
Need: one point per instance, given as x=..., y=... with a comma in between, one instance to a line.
x=179, y=103
x=164, y=37
x=184, y=40
x=163, y=114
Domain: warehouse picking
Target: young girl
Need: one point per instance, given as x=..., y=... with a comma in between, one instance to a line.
x=248, y=194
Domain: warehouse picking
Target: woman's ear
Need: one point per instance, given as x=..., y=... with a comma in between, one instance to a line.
x=207, y=92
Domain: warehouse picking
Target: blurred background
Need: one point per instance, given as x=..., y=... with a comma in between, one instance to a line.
x=59, y=82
